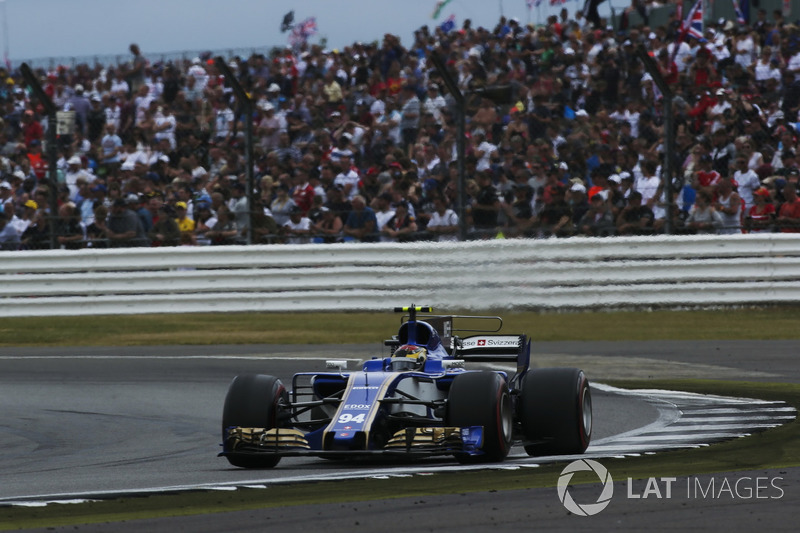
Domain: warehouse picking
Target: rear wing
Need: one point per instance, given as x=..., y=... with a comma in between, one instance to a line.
x=445, y=325
x=486, y=347
x=495, y=349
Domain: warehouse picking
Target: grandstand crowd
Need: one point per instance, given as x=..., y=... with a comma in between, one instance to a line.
x=359, y=144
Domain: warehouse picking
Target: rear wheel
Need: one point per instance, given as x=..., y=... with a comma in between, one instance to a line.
x=556, y=411
x=482, y=399
x=252, y=401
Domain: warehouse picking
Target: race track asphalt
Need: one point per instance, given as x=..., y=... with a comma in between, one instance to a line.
x=533, y=509
x=78, y=424
x=513, y=511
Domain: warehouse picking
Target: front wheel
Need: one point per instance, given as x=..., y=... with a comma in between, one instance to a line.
x=253, y=402
x=556, y=411
x=482, y=399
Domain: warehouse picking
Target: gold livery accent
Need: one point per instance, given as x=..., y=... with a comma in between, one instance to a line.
x=267, y=438
x=425, y=437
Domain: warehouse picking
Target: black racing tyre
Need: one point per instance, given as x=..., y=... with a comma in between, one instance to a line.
x=252, y=401
x=482, y=399
x=555, y=410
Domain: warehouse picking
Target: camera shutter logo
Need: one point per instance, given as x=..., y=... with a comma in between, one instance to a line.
x=586, y=509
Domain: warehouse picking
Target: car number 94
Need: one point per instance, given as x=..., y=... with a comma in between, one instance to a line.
x=347, y=418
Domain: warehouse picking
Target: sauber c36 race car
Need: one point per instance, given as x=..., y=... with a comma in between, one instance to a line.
x=419, y=401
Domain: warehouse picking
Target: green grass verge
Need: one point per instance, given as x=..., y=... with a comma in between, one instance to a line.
x=775, y=448
x=321, y=328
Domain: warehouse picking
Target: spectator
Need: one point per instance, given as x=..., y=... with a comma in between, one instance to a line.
x=135, y=77
x=361, y=222
x=402, y=226
x=328, y=228
x=348, y=178
x=165, y=230
x=123, y=227
x=730, y=207
x=704, y=177
x=225, y=230
x=384, y=211
x=95, y=119
x=722, y=152
x=75, y=171
x=298, y=227
x=754, y=158
x=647, y=184
x=36, y=159
x=333, y=91
x=34, y=221
x=703, y=217
x=598, y=221
x=239, y=207
x=444, y=221
x=761, y=217
x=9, y=237
x=303, y=192
x=6, y=196
x=97, y=196
x=555, y=217
x=282, y=204
x=577, y=201
x=111, y=144
x=185, y=224
x=138, y=203
x=747, y=181
x=635, y=218
x=205, y=220
x=96, y=236
x=486, y=208
x=483, y=150
x=31, y=128
x=265, y=230
x=268, y=128
x=70, y=234
x=79, y=103
x=410, y=115
x=788, y=219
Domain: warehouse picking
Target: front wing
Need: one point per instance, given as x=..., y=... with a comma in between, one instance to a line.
x=413, y=441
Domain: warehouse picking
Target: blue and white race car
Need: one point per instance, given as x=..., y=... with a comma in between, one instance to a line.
x=419, y=401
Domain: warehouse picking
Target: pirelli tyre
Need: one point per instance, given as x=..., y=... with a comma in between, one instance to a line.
x=252, y=401
x=555, y=411
x=482, y=399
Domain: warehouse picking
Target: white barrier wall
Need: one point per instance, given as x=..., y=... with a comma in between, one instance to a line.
x=520, y=274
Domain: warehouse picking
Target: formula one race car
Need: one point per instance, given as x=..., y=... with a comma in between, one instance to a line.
x=419, y=401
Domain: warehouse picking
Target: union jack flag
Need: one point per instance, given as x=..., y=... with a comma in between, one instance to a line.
x=740, y=18
x=693, y=25
x=302, y=31
x=449, y=24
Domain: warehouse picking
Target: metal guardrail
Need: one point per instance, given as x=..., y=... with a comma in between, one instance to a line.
x=574, y=273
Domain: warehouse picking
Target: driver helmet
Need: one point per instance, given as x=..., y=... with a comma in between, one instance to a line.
x=409, y=357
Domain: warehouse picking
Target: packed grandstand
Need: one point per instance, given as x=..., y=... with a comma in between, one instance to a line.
x=359, y=144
